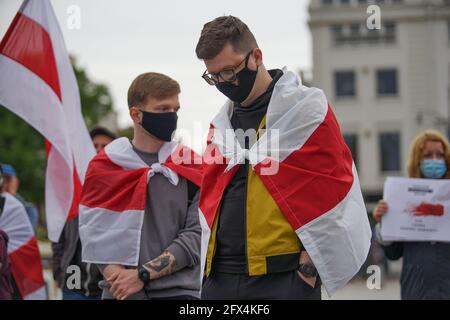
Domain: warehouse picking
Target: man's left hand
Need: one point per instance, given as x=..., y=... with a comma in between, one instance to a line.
x=125, y=284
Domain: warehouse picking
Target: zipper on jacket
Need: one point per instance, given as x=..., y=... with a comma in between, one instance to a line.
x=247, y=144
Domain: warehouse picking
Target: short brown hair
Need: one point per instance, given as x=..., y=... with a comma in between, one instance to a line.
x=151, y=84
x=417, y=148
x=221, y=31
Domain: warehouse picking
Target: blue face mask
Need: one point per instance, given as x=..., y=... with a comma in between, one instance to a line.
x=433, y=169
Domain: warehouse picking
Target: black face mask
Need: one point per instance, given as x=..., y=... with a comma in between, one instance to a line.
x=160, y=125
x=245, y=79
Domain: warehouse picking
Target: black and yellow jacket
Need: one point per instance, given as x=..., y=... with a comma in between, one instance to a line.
x=250, y=234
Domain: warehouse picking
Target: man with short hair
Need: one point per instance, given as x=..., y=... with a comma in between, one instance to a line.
x=139, y=205
x=284, y=165
x=101, y=137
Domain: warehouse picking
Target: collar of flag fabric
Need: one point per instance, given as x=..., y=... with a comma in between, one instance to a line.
x=23, y=251
x=114, y=197
x=305, y=164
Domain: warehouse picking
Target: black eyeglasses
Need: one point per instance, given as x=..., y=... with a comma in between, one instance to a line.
x=227, y=75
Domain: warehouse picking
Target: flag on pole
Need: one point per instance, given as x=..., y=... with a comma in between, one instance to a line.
x=38, y=84
x=23, y=250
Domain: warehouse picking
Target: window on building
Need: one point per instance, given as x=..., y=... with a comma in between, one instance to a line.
x=389, y=31
x=355, y=35
x=373, y=36
x=344, y=84
x=345, y=2
x=351, y=139
x=327, y=2
x=389, y=143
x=337, y=33
x=387, y=82
x=448, y=29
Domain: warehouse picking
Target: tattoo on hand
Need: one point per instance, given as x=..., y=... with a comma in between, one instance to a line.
x=161, y=266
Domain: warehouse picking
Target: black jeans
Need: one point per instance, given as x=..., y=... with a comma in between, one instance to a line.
x=275, y=286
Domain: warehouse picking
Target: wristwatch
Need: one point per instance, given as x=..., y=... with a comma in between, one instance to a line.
x=308, y=270
x=143, y=275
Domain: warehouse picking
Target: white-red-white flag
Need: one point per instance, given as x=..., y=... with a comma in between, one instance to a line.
x=23, y=250
x=304, y=163
x=38, y=84
x=114, y=196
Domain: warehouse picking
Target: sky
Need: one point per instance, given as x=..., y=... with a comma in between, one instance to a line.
x=118, y=40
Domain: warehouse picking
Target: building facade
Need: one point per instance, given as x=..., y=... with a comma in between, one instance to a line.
x=385, y=84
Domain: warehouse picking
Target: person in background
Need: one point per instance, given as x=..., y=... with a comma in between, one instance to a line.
x=6, y=289
x=426, y=265
x=101, y=137
x=21, y=275
x=11, y=185
x=67, y=251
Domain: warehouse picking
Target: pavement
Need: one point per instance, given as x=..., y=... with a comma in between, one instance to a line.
x=358, y=290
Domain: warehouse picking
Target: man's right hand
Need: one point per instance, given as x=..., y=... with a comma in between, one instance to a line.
x=380, y=210
x=305, y=258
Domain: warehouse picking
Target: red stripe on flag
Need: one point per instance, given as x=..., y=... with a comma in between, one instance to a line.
x=314, y=179
x=186, y=163
x=29, y=44
x=111, y=187
x=48, y=147
x=26, y=267
x=77, y=189
x=215, y=179
x=214, y=183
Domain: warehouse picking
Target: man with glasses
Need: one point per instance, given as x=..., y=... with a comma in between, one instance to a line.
x=263, y=232
x=235, y=66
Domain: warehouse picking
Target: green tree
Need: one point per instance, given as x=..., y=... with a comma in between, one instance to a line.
x=24, y=147
x=96, y=101
x=126, y=132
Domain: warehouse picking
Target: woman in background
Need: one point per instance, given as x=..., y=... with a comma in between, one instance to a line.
x=426, y=265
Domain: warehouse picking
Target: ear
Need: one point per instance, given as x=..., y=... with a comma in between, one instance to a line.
x=258, y=56
x=135, y=115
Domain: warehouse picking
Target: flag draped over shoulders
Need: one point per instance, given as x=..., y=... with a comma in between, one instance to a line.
x=23, y=251
x=304, y=163
x=114, y=198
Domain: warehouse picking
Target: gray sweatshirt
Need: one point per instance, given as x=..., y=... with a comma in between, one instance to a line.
x=171, y=224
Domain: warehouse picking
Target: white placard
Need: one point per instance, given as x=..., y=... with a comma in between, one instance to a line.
x=418, y=210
